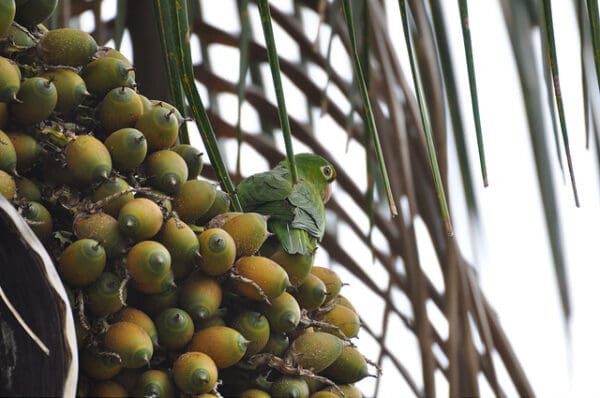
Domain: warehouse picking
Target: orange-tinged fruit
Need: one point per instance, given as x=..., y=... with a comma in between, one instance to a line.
x=311, y=293
x=120, y=108
x=10, y=80
x=319, y=350
x=127, y=148
x=104, y=296
x=140, y=318
x=112, y=191
x=225, y=345
x=175, y=328
x=37, y=99
x=289, y=387
x=349, y=367
x=217, y=250
x=82, y=262
x=182, y=244
x=98, y=366
x=27, y=150
x=331, y=280
x=265, y=273
x=343, y=301
x=140, y=219
x=108, y=389
x=220, y=219
x=105, y=74
x=323, y=394
x=297, y=266
x=192, y=157
x=130, y=342
x=67, y=46
x=8, y=187
x=8, y=154
x=70, y=89
x=195, y=373
x=154, y=383
x=255, y=328
x=41, y=217
x=160, y=127
x=88, y=160
x=254, y=393
x=166, y=170
x=283, y=313
x=345, y=319
x=104, y=228
x=200, y=296
x=249, y=231
x=193, y=200
x=148, y=263
x=349, y=391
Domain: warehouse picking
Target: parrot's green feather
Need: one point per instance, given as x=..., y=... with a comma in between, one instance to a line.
x=293, y=240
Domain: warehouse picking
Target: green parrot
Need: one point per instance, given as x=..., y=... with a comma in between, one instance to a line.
x=297, y=211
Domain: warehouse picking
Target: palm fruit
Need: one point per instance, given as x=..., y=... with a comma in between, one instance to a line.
x=27, y=150
x=219, y=206
x=28, y=189
x=20, y=37
x=160, y=127
x=146, y=103
x=192, y=157
x=349, y=367
x=140, y=219
x=112, y=192
x=289, y=387
x=195, y=373
x=175, y=328
x=323, y=394
x=10, y=79
x=313, y=384
x=105, y=74
x=33, y=12
x=255, y=328
x=88, y=160
x=297, y=266
x=37, y=101
x=154, y=383
x=3, y=114
x=331, y=280
x=127, y=148
x=277, y=345
x=226, y=346
x=193, y=200
x=171, y=108
x=343, y=301
x=105, y=296
x=283, y=313
x=82, y=262
x=318, y=349
x=183, y=245
x=7, y=15
x=149, y=265
x=70, y=89
x=141, y=319
x=130, y=342
x=166, y=170
x=349, y=391
x=311, y=293
x=41, y=217
x=99, y=366
x=249, y=231
x=343, y=318
x=220, y=219
x=103, y=228
x=120, y=108
x=108, y=389
x=112, y=53
x=254, y=393
x=265, y=274
x=200, y=296
x=8, y=188
x=218, y=251
x=8, y=154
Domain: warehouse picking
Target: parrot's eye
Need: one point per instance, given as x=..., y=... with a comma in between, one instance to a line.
x=327, y=172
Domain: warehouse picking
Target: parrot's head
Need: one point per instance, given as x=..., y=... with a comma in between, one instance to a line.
x=318, y=171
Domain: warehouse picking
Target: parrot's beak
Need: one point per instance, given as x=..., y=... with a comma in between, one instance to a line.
x=326, y=193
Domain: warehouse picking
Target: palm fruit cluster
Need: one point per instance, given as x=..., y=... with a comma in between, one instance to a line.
x=173, y=293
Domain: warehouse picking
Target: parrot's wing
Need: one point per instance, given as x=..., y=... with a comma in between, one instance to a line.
x=293, y=240
x=310, y=211
x=270, y=186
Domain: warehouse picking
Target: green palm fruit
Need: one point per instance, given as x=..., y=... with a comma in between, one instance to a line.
x=3, y=115
x=41, y=217
x=277, y=345
x=98, y=366
x=226, y=346
x=160, y=198
x=82, y=262
x=192, y=157
x=130, y=342
x=154, y=304
x=146, y=103
x=175, y=328
x=195, y=373
x=10, y=79
x=265, y=273
x=183, y=245
x=311, y=293
x=283, y=313
x=88, y=160
x=345, y=319
x=8, y=154
x=313, y=384
x=105, y=74
x=297, y=265
x=27, y=150
x=37, y=101
x=112, y=53
x=249, y=231
x=70, y=89
x=103, y=228
x=7, y=15
x=154, y=383
x=33, y=12
x=289, y=387
x=193, y=200
x=219, y=206
x=254, y=393
x=141, y=319
x=319, y=350
x=350, y=367
x=255, y=328
x=113, y=188
x=331, y=280
x=105, y=295
x=160, y=127
x=119, y=109
x=28, y=189
x=172, y=108
x=167, y=171
x=108, y=389
x=349, y=391
x=20, y=37
x=140, y=219
x=218, y=251
x=148, y=263
x=200, y=296
x=127, y=148
x=67, y=46
x=343, y=301
x=220, y=219
x=8, y=187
